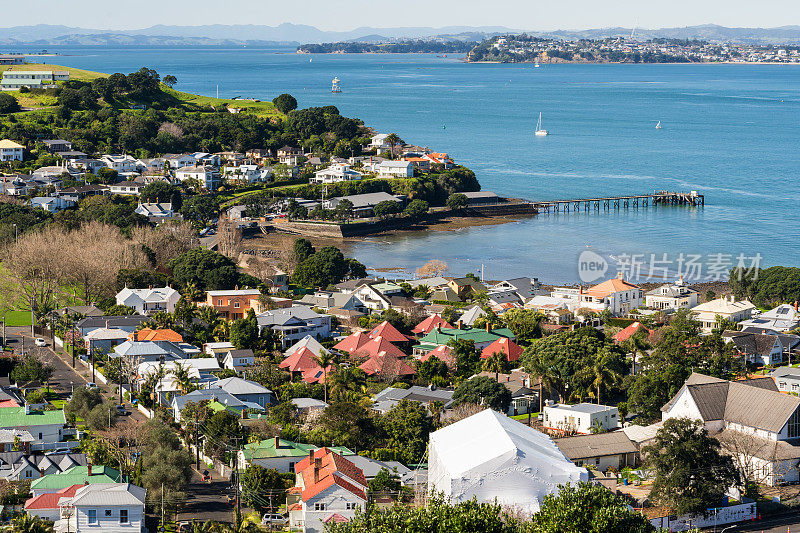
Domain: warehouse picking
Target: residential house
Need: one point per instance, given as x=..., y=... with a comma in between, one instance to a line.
x=124, y=164
x=327, y=300
x=239, y=360
x=44, y=426
x=756, y=348
x=87, y=165
x=22, y=465
x=471, y=314
x=787, y=379
x=12, y=59
x=372, y=298
x=378, y=143
x=288, y=155
x=215, y=160
x=51, y=204
x=443, y=353
x=306, y=342
x=107, y=507
x=13, y=80
x=149, y=301
x=396, y=169
x=524, y=288
x=245, y=390
x=218, y=349
x=10, y=438
x=673, y=296
x=151, y=165
x=293, y=323
x=481, y=337
x=11, y=151
x=216, y=396
x=604, y=451
x=631, y=330
x=725, y=308
x=524, y=399
x=147, y=351
x=103, y=340
x=430, y=323
x=248, y=173
x=179, y=161
x=232, y=304
x=616, y=295
x=45, y=506
x=161, y=334
x=387, y=366
x=76, y=194
x=157, y=212
x=330, y=489
x=207, y=176
x=363, y=204
x=750, y=418
x=281, y=454
x=260, y=155
x=582, y=418
x=781, y=319
x=510, y=350
x=55, y=146
x=127, y=323
x=126, y=188
x=500, y=302
x=87, y=474
x=421, y=163
x=389, y=397
x=335, y=173
x=440, y=159
x=307, y=405
x=305, y=365
x=465, y=287
x=495, y=459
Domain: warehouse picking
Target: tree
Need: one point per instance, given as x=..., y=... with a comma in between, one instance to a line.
x=199, y=208
x=436, y=516
x=602, y=373
x=407, y=426
x=432, y=269
x=165, y=464
x=182, y=377
x=416, y=209
x=324, y=360
x=386, y=208
x=219, y=429
x=497, y=363
x=392, y=140
x=162, y=192
x=690, y=472
x=348, y=424
x=262, y=488
x=31, y=368
x=524, y=323
x=169, y=80
x=483, y=390
x=327, y=266
x=8, y=104
x=344, y=210
x=205, y=268
x=588, y=508
x=83, y=401
x=384, y=481
x=244, y=332
x=467, y=359
x=457, y=201
x=285, y=103
x=26, y=523
x=303, y=249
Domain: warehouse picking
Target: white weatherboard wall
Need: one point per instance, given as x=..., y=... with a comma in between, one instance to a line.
x=490, y=456
x=717, y=517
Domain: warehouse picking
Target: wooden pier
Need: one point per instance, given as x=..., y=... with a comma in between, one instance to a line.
x=614, y=203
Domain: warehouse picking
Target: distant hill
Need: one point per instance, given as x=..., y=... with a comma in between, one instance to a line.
x=296, y=34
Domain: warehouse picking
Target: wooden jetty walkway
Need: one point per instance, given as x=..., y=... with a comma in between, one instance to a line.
x=612, y=203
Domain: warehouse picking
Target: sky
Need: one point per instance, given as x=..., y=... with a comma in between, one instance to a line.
x=348, y=14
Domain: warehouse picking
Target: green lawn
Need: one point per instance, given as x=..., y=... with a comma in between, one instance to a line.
x=17, y=318
x=525, y=417
x=74, y=73
x=264, y=109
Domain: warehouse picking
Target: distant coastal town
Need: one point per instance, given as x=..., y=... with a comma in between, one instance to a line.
x=529, y=49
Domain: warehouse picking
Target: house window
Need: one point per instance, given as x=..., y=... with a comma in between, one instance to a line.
x=108, y=512
x=793, y=429
x=795, y=387
x=236, y=305
x=92, y=516
x=597, y=461
x=123, y=516
x=783, y=384
x=351, y=506
x=219, y=302
x=40, y=435
x=319, y=506
x=28, y=473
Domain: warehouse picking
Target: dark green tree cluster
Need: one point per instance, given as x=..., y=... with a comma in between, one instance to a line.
x=483, y=390
x=206, y=269
x=323, y=267
x=766, y=287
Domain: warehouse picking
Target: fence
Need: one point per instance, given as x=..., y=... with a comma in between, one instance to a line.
x=714, y=517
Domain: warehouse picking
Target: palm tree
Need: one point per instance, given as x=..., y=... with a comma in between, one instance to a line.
x=160, y=320
x=192, y=292
x=636, y=345
x=30, y=524
x=549, y=377
x=210, y=316
x=347, y=381
x=393, y=140
x=182, y=377
x=601, y=375
x=496, y=363
x=222, y=331
x=324, y=359
x=153, y=379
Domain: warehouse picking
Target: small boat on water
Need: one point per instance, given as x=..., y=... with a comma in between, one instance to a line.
x=658, y=126
x=335, y=87
x=536, y=65
x=540, y=132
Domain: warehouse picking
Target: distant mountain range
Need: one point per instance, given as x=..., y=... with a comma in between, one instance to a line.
x=294, y=34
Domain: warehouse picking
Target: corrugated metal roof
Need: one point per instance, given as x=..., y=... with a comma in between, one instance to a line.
x=585, y=446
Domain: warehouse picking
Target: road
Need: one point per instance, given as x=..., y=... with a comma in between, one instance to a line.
x=207, y=501
x=789, y=522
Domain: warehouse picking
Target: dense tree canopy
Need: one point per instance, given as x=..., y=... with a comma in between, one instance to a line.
x=206, y=269
x=285, y=103
x=767, y=287
x=483, y=390
x=326, y=266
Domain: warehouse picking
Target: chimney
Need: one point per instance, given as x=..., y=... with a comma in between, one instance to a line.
x=460, y=324
x=27, y=408
x=795, y=306
x=438, y=328
x=317, y=467
x=277, y=442
x=488, y=327
x=620, y=275
x=88, y=469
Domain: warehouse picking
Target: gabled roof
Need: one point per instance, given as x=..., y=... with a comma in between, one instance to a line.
x=388, y=332
x=609, y=287
x=630, y=331
x=235, y=385
x=442, y=352
x=443, y=335
x=331, y=468
x=379, y=345
x=147, y=334
x=108, y=494
x=300, y=361
x=383, y=363
x=308, y=342
x=430, y=323
x=752, y=343
x=353, y=342
x=503, y=345
x=77, y=475
x=723, y=306
x=602, y=444
x=50, y=499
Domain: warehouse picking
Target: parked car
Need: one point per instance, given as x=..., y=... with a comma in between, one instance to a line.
x=40, y=342
x=274, y=519
x=122, y=411
x=91, y=385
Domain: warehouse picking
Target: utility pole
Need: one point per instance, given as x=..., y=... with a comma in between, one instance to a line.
x=197, y=447
x=162, y=505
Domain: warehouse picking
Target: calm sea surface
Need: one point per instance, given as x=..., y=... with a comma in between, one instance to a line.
x=730, y=132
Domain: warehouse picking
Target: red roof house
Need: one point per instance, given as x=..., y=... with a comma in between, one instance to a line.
x=630, y=331
x=353, y=342
x=300, y=361
x=430, y=323
x=388, y=332
x=46, y=505
x=509, y=348
x=379, y=345
x=386, y=364
x=442, y=352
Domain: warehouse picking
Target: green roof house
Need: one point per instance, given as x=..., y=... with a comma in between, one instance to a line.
x=77, y=475
x=44, y=426
x=281, y=454
x=442, y=336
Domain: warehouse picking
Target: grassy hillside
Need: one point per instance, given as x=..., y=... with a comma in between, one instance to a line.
x=171, y=97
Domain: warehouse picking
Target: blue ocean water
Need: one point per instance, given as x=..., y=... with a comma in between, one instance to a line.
x=729, y=132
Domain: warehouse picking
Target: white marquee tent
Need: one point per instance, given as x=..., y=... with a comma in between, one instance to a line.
x=490, y=456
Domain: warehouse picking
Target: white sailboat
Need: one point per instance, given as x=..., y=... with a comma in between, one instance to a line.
x=536, y=65
x=658, y=126
x=539, y=131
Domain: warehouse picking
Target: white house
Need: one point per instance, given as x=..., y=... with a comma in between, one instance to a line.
x=378, y=142
x=672, y=296
x=281, y=454
x=755, y=423
x=207, y=176
x=580, y=418
x=756, y=348
x=491, y=457
x=293, y=323
x=372, y=298
x=245, y=390
x=336, y=173
x=10, y=151
x=248, y=173
x=615, y=294
x=51, y=204
x=126, y=188
x=177, y=161
x=396, y=169
x=148, y=301
x=106, y=507
x=725, y=308
x=329, y=488
x=44, y=426
x=238, y=360
x=155, y=211
x=123, y=164
x=781, y=319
